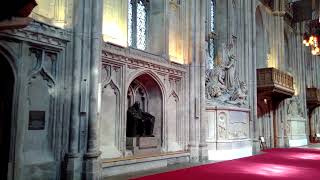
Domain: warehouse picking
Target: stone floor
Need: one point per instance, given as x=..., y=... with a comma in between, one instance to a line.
x=173, y=167
x=153, y=171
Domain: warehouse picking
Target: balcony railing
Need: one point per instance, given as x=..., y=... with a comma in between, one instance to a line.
x=275, y=83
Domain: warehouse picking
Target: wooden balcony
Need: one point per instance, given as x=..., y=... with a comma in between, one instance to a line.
x=274, y=84
x=313, y=98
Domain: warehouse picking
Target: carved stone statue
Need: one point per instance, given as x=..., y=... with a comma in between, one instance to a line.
x=223, y=87
x=222, y=127
x=240, y=94
x=139, y=123
x=215, y=82
x=230, y=68
x=294, y=108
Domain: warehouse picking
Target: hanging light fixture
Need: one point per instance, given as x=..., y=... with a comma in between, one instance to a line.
x=312, y=39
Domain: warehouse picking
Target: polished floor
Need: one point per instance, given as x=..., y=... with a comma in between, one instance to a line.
x=174, y=167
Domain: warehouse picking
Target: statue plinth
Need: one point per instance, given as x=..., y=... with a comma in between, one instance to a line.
x=143, y=145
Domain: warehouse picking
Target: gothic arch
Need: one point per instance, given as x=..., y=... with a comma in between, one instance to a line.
x=110, y=122
x=261, y=39
x=10, y=57
x=153, y=75
x=154, y=89
x=10, y=74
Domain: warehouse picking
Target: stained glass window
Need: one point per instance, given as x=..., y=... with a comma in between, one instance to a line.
x=137, y=23
x=212, y=15
x=129, y=23
x=141, y=26
x=211, y=48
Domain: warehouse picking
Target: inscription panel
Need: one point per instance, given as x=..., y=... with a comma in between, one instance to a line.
x=36, y=120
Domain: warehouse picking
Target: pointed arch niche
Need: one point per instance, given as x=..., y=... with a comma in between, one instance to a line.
x=110, y=142
x=145, y=90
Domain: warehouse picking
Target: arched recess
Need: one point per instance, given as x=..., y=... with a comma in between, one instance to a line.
x=7, y=78
x=110, y=139
x=286, y=52
x=138, y=93
x=173, y=123
x=261, y=41
x=40, y=86
x=145, y=85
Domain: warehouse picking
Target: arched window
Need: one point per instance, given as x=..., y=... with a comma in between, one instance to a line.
x=211, y=43
x=137, y=23
x=212, y=15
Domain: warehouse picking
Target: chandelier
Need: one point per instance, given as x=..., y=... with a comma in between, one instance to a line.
x=312, y=38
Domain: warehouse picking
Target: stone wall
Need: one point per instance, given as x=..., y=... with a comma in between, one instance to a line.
x=39, y=134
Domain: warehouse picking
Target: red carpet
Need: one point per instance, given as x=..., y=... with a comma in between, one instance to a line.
x=292, y=164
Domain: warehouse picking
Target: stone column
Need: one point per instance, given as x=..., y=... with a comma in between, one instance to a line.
x=193, y=143
x=73, y=170
x=92, y=160
x=203, y=149
x=251, y=76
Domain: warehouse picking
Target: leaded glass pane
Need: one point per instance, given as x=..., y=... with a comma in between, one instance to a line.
x=141, y=26
x=212, y=15
x=129, y=23
x=211, y=55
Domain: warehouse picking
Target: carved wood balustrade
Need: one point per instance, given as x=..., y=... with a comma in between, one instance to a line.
x=273, y=83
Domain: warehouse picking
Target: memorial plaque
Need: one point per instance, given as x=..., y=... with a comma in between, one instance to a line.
x=36, y=120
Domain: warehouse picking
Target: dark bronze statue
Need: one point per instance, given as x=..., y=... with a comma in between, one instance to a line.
x=139, y=123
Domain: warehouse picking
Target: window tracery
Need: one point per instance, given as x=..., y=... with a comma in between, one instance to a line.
x=211, y=43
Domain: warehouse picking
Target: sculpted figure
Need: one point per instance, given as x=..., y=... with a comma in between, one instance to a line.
x=215, y=80
x=294, y=108
x=222, y=127
x=240, y=94
x=230, y=68
x=139, y=123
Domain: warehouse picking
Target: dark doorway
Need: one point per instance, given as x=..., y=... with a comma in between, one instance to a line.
x=6, y=95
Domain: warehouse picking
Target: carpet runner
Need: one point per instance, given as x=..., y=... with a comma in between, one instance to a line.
x=275, y=164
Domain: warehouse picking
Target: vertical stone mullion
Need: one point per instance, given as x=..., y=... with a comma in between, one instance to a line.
x=92, y=161
x=73, y=170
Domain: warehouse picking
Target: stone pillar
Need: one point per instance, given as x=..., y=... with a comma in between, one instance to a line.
x=73, y=169
x=193, y=143
x=92, y=160
x=87, y=43
x=203, y=148
x=253, y=79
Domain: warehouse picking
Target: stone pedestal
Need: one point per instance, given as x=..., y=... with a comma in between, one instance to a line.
x=92, y=166
x=228, y=133
x=296, y=131
x=74, y=167
x=143, y=145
